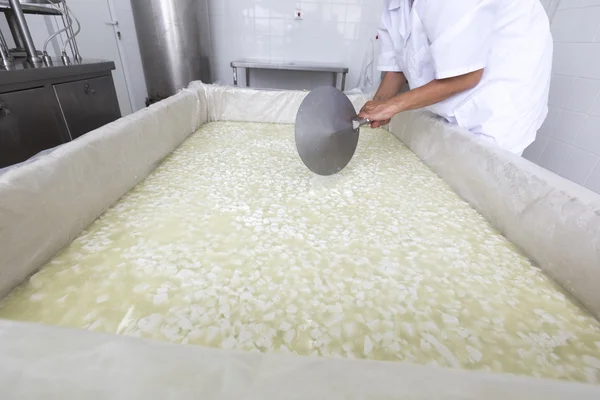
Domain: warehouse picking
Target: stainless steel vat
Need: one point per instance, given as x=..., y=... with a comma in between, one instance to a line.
x=174, y=38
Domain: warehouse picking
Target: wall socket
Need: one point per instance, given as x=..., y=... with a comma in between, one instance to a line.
x=298, y=14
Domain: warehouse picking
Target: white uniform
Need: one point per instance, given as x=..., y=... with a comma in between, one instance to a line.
x=437, y=39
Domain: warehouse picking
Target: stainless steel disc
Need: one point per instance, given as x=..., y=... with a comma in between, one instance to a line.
x=325, y=137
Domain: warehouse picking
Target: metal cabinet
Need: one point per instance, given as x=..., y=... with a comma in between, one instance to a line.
x=46, y=106
x=34, y=112
x=88, y=104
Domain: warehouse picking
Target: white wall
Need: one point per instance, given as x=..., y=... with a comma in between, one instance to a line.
x=130, y=53
x=332, y=31
x=569, y=141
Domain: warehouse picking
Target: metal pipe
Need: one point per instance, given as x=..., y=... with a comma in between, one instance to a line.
x=76, y=46
x=47, y=59
x=65, y=59
x=55, y=34
x=68, y=24
x=45, y=56
x=65, y=24
x=72, y=38
x=3, y=44
x=25, y=34
x=7, y=60
x=71, y=34
x=13, y=25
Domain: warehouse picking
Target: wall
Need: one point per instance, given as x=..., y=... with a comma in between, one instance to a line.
x=550, y=6
x=569, y=141
x=130, y=53
x=332, y=31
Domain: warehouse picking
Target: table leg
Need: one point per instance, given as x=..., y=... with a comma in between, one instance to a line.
x=343, y=81
x=335, y=79
x=235, y=81
x=247, y=77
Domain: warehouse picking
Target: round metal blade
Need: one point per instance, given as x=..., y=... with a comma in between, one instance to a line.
x=325, y=139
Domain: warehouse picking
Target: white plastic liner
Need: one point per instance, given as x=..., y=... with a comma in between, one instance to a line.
x=224, y=103
x=46, y=202
x=554, y=221
x=70, y=364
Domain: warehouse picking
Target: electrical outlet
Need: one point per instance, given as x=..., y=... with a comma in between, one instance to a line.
x=298, y=14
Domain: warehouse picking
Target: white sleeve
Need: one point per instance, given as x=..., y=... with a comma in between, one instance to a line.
x=460, y=34
x=387, y=58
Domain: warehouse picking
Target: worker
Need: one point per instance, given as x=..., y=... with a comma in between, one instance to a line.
x=481, y=64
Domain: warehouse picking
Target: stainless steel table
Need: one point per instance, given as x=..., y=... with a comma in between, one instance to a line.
x=309, y=67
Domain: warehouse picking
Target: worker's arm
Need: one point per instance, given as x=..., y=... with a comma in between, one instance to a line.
x=391, y=84
x=381, y=111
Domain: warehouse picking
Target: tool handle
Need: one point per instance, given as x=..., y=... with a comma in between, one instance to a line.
x=358, y=122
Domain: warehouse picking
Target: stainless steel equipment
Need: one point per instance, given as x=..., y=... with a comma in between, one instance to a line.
x=69, y=100
x=14, y=11
x=42, y=107
x=13, y=23
x=32, y=55
x=307, y=67
x=327, y=130
x=68, y=16
x=6, y=58
x=174, y=43
x=41, y=1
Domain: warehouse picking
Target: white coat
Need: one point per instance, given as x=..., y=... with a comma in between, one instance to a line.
x=510, y=39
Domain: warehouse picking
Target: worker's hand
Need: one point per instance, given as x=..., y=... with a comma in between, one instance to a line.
x=378, y=111
x=377, y=124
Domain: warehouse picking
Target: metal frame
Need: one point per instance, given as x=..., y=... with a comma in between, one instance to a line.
x=15, y=16
x=7, y=60
x=248, y=65
x=24, y=31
